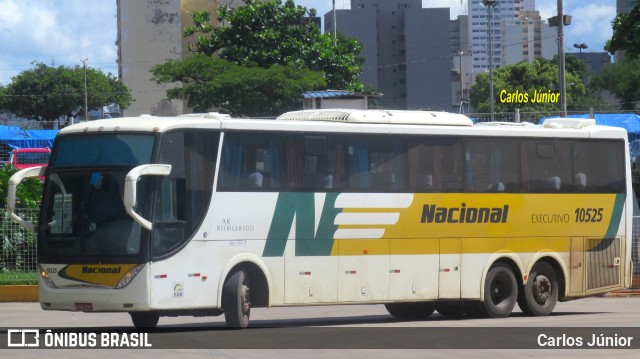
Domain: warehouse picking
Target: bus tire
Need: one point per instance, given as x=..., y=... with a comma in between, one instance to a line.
x=500, y=292
x=236, y=299
x=411, y=311
x=145, y=320
x=540, y=294
x=450, y=308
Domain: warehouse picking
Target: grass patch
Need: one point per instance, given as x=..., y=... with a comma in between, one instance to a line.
x=18, y=278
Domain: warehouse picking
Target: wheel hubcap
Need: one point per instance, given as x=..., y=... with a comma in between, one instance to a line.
x=245, y=300
x=541, y=289
x=498, y=291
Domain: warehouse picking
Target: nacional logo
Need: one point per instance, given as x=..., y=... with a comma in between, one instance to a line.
x=101, y=270
x=463, y=214
x=100, y=274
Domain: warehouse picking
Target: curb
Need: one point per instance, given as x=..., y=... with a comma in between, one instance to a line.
x=19, y=293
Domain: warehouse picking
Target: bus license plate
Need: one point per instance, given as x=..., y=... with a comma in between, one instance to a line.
x=84, y=307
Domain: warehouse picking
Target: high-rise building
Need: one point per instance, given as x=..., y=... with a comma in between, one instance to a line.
x=406, y=50
x=527, y=37
x=479, y=29
x=150, y=33
x=460, y=52
x=594, y=62
x=625, y=5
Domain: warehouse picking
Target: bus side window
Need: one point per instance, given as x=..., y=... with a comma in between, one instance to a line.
x=451, y=165
x=603, y=168
x=387, y=169
x=549, y=165
x=324, y=163
x=377, y=164
x=421, y=165
x=253, y=162
x=358, y=152
x=184, y=196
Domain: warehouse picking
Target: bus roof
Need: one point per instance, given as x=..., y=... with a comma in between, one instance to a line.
x=379, y=116
x=354, y=121
x=145, y=123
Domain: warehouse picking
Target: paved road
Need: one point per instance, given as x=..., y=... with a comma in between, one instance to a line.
x=324, y=326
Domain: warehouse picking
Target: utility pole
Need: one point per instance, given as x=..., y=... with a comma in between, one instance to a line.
x=561, y=69
x=490, y=4
x=460, y=52
x=335, y=25
x=86, y=102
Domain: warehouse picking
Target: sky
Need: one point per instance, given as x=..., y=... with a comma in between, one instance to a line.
x=66, y=32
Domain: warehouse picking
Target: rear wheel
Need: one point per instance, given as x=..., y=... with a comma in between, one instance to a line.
x=500, y=292
x=411, y=311
x=146, y=320
x=540, y=294
x=236, y=299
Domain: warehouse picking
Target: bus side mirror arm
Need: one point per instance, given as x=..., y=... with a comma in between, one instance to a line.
x=14, y=181
x=130, y=188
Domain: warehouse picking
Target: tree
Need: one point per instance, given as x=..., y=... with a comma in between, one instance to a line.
x=622, y=80
x=515, y=86
x=625, y=33
x=267, y=33
x=46, y=93
x=237, y=90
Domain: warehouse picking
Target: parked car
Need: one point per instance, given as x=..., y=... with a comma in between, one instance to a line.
x=29, y=157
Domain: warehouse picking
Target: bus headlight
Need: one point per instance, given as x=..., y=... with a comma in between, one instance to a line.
x=45, y=278
x=128, y=277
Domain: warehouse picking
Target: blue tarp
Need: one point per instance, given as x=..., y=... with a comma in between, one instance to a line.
x=628, y=121
x=16, y=138
x=13, y=137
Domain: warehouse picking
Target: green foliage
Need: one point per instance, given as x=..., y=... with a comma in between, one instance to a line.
x=29, y=192
x=267, y=33
x=626, y=28
x=45, y=93
x=541, y=75
x=240, y=91
x=19, y=278
x=18, y=245
x=622, y=80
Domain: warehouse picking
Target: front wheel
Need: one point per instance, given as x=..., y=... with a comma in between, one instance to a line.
x=145, y=320
x=500, y=292
x=540, y=294
x=236, y=299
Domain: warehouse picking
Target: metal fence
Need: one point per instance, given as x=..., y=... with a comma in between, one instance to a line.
x=532, y=117
x=18, y=263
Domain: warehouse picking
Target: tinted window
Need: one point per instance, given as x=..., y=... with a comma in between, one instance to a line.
x=402, y=163
x=103, y=149
x=182, y=198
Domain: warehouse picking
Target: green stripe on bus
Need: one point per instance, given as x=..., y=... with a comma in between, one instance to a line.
x=616, y=216
x=322, y=244
x=301, y=206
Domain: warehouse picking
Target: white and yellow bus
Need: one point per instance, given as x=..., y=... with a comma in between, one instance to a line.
x=419, y=211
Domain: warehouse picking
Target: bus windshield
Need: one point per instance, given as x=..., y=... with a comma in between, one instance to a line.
x=103, y=150
x=83, y=212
